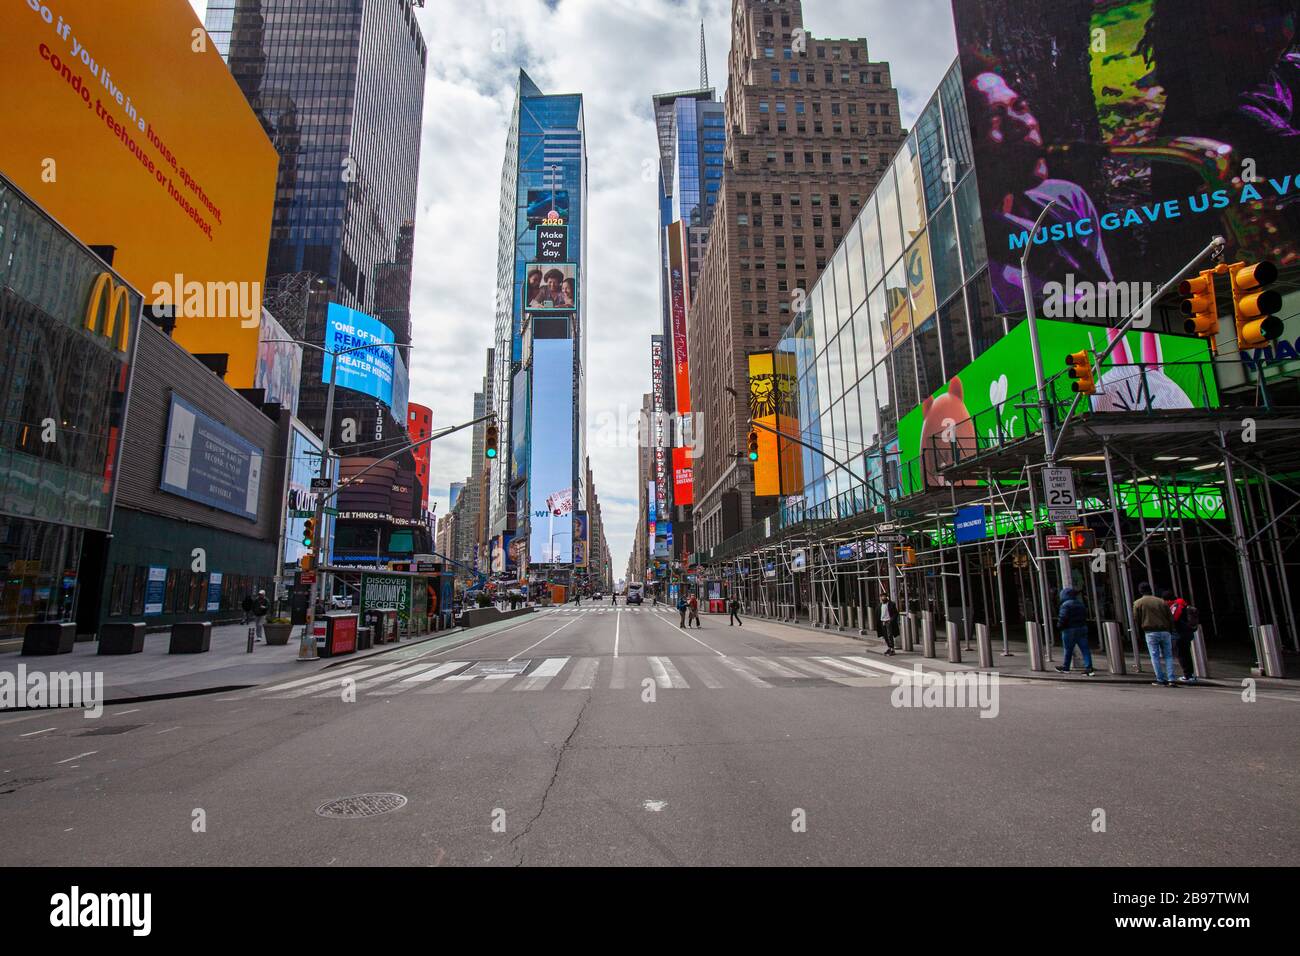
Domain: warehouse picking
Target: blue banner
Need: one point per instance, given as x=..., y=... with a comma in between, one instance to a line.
x=970, y=524
x=370, y=371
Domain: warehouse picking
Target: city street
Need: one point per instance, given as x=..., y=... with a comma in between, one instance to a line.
x=608, y=736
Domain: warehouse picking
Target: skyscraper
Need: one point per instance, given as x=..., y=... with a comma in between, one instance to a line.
x=539, y=390
x=811, y=124
x=339, y=88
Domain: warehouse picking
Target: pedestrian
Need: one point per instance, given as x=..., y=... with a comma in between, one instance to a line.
x=682, y=608
x=1072, y=619
x=247, y=606
x=888, y=622
x=694, y=605
x=1186, y=620
x=613, y=597
x=260, y=609
x=734, y=607
x=1156, y=624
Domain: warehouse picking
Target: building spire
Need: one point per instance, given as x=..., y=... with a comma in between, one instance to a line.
x=704, y=61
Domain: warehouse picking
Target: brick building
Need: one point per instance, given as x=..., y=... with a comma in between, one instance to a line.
x=811, y=123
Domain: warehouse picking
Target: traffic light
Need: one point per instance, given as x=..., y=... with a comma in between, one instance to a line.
x=1082, y=538
x=1253, y=305
x=1199, y=306
x=308, y=532
x=490, y=441
x=1079, y=368
x=753, y=444
x=305, y=562
x=906, y=556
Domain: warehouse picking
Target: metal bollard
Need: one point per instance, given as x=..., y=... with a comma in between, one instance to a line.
x=1114, y=641
x=1199, y=658
x=907, y=626
x=1034, y=638
x=985, y=646
x=869, y=622
x=927, y=634
x=954, y=645
x=1270, y=652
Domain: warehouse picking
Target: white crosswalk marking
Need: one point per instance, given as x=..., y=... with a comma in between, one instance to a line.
x=700, y=671
x=436, y=672
x=584, y=674
x=740, y=668
x=619, y=680
x=665, y=674
x=333, y=681
x=813, y=668
x=543, y=673
x=881, y=665
x=767, y=663
x=850, y=668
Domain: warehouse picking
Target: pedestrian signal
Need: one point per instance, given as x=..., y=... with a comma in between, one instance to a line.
x=1082, y=538
x=306, y=562
x=1253, y=305
x=1200, y=306
x=1079, y=368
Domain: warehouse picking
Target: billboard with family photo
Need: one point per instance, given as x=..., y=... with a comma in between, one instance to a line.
x=1151, y=125
x=551, y=286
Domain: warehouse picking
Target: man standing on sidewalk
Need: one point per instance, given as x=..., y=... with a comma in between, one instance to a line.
x=888, y=622
x=261, y=606
x=1073, y=622
x=1157, y=625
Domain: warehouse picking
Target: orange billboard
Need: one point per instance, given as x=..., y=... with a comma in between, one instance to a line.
x=121, y=119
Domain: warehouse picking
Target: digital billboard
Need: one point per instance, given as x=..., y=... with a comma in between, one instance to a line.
x=1153, y=125
x=581, y=532
x=683, y=480
x=303, y=465
x=279, y=365
x=545, y=205
x=658, y=438
x=981, y=404
x=368, y=370
x=207, y=462
x=550, y=478
x=551, y=286
x=773, y=401
x=126, y=123
x=519, y=427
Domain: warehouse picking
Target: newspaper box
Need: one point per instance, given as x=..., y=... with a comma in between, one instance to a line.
x=340, y=635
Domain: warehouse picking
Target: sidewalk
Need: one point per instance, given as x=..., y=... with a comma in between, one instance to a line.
x=154, y=673
x=1224, y=672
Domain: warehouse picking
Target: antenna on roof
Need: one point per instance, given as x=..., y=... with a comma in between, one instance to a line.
x=704, y=61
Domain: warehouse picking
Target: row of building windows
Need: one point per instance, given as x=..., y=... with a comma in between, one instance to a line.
x=835, y=107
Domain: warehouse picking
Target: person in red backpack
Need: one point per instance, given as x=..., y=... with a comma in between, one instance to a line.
x=1186, y=620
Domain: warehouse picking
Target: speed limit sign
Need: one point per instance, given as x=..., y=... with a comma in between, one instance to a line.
x=1058, y=487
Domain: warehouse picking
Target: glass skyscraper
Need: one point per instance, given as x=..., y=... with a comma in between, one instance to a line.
x=539, y=383
x=339, y=87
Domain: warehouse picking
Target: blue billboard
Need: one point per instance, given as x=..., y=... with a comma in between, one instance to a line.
x=550, y=472
x=370, y=371
x=970, y=524
x=207, y=462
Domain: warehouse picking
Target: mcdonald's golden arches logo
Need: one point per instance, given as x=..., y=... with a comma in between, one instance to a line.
x=113, y=303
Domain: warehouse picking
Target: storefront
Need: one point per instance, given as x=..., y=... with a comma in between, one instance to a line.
x=70, y=327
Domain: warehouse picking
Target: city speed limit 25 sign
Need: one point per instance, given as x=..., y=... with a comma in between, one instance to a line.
x=1058, y=487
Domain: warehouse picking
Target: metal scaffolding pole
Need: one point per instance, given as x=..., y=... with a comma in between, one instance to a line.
x=1126, y=586
x=1243, y=552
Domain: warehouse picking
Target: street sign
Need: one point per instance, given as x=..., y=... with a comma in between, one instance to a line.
x=1058, y=542
x=306, y=577
x=320, y=484
x=1058, y=486
x=300, y=514
x=891, y=538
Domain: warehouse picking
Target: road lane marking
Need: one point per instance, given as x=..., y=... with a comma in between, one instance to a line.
x=123, y=713
x=707, y=679
x=584, y=674
x=167, y=731
x=542, y=676
x=812, y=668
x=881, y=665
x=619, y=680
x=766, y=662
x=692, y=637
x=35, y=732
x=618, y=620
x=88, y=753
x=743, y=670
x=446, y=667
x=852, y=669
x=546, y=638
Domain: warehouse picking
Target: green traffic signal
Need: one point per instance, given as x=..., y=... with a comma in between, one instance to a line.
x=753, y=456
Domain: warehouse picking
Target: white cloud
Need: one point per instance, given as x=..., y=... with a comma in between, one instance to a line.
x=617, y=53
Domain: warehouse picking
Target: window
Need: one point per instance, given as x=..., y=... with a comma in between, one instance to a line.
x=742, y=219
x=771, y=156
x=755, y=199
x=776, y=199
x=776, y=77
x=780, y=106
x=798, y=107
x=789, y=158
x=762, y=106
x=778, y=220
x=758, y=219
x=835, y=109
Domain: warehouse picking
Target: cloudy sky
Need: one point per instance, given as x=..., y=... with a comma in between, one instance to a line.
x=617, y=53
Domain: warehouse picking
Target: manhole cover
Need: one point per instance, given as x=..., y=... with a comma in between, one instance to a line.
x=362, y=805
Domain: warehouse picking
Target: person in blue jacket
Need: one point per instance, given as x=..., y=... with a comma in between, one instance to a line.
x=1073, y=622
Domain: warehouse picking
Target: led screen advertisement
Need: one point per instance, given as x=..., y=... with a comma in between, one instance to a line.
x=207, y=462
x=302, y=467
x=279, y=365
x=773, y=401
x=551, y=286
x=978, y=406
x=550, y=478
x=519, y=426
x=658, y=437
x=1153, y=125
x=548, y=206
x=370, y=371
x=132, y=137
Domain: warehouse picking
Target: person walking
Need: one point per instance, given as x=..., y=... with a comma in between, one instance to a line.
x=613, y=598
x=247, y=607
x=888, y=622
x=261, y=607
x=682, y=608
x=733, y=606
x=1072, y=619
x=694, y=605
x=1186, y=620
x=1156, y=623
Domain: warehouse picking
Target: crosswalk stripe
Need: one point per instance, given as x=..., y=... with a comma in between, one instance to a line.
x=542, y=674
x=743, y=670
x=814, y=668
x=774, y=667
x=880, y=665
x=707, y=679
x=488, y=684
x=436, y=672
x=674, y=674
x=619, y=679
x=850, y=668
x=584, y=674
x=320, y=681
x=665, y=674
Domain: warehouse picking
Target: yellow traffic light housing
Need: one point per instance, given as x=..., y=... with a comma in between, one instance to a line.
x=1253, y=304
x=1079, y=368
x=1200, y=306
x=306, y=562
x=1082, y=538
x=753, y=444
x=906, y=556
x=490, y=441
x=308, y=532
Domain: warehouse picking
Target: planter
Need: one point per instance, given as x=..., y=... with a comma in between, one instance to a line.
x=277, y=634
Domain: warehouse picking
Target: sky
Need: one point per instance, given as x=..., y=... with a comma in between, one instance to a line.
x=618, y=54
